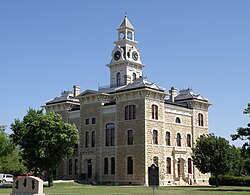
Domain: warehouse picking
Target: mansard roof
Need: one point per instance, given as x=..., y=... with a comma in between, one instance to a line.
x=188, y=94
x=66, y=96
x=136, y=84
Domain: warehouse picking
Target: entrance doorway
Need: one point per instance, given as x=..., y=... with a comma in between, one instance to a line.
x=89, y=170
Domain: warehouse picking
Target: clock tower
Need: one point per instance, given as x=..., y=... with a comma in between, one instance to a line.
x=125, y=65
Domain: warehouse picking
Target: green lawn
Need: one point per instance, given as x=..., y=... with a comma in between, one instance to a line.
x=75, y=189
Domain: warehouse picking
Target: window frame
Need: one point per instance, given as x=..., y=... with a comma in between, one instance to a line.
x=155, y=137
x=130, y=112
x=200, y=120
x=154, y=110
x=106, y=166
x=130, y=165
x=189, y=142
x=168, y=168
x=110, y=134
x=168, y=138
x=86, y=139
x=130, y=137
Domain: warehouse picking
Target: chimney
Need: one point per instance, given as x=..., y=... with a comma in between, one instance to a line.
x=76, y=90
x=173, y=93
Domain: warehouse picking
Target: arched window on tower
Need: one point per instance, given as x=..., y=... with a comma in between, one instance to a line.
x=177, y=120
x=178, y=139
x=118, y=79
x=134, y=76
x=200, y=119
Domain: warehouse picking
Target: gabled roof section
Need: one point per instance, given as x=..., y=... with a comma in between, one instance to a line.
x=126, y=24
x=188, y=94
x=66, y=96
x=87, y=92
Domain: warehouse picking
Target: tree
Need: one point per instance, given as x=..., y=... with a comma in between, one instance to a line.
x=212, y=154
x=243, y=133
x=45, y=140
x=10, y=159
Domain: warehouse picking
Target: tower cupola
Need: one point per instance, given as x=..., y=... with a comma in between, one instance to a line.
x=125, y=65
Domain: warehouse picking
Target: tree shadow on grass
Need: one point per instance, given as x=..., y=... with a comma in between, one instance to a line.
x=229, y=189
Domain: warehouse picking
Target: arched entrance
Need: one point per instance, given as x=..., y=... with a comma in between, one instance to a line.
x=180, y=167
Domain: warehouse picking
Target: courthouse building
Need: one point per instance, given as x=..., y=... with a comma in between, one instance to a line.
x=127, y=126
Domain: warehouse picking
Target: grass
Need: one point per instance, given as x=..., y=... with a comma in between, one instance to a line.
x=78, y=189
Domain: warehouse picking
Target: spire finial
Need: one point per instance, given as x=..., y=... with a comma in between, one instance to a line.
x=125, y=14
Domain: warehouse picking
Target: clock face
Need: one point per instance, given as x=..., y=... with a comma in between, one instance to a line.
x=135, y=56
x=117, y=55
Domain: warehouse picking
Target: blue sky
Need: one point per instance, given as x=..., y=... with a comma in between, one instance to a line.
x=49, y=46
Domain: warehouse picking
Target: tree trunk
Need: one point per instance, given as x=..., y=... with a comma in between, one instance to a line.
x=217, y=181
x=50, y=178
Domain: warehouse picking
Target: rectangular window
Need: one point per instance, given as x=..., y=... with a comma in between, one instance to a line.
x=107, y=137
x=112, y=137
x=93, y=120
x=106, y=166
x=113, y=165
x=76, y=166
x=130, y=165
x=130, y=112
x=70, y=166
x=86, y=121
x=130, y=137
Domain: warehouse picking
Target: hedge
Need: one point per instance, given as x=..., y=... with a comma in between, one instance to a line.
x=226, y=180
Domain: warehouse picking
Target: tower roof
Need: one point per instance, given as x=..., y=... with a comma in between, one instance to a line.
x=126, y=24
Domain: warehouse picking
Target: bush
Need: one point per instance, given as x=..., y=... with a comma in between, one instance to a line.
x=227, y=180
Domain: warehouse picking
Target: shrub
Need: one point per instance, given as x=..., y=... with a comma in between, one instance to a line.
x=227, y=180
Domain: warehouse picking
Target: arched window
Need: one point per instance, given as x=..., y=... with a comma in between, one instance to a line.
x=130, y=112
x=168, y=138
x=177, y=120
x=118, y=79
x=168, y=165
x=87, y=139
x=93, y=139
x=155, y=159
x=130, y=165
x=189, y=165
x=178, y=139
x=200, y=119
x=188, y=140
x=134, y=76
x=154, y=112
x=155, y=137
x=130, y=137
x=110, y=134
